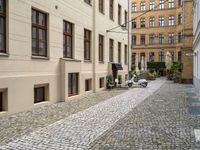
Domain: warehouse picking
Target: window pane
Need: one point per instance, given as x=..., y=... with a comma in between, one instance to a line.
x=34, y=17
x=34, y=33
x=42, y=48
x=42, y=35
x=42, y=19
x=1, y=41
x=2, y=6
x=34, y=46
x=2, y=25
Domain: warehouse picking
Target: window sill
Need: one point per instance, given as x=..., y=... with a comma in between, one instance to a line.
x=71, y=59
x=89, y=4
x=101, y=62
x=102, y=13
x=4, y=54
x=88, y=61
x=40, y=57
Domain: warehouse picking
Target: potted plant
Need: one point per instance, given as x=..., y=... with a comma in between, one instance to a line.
x=109, y=81
x=177, y=77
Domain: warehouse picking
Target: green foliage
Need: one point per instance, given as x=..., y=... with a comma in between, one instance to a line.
x=156, y=65
x=109, y=78
x=133, y=67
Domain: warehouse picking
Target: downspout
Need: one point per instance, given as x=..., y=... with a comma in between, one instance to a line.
x=94, y=47
x=128, y=38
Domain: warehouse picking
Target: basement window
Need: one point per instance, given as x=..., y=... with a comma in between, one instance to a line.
x=40, y=93
x=3, y=100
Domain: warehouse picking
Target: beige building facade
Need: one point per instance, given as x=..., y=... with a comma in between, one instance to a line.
x=166, y=27
x=52, y=51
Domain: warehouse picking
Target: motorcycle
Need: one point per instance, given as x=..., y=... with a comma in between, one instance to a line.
x=133, y=82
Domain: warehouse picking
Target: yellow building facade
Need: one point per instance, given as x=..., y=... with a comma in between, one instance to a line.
x=160, y=26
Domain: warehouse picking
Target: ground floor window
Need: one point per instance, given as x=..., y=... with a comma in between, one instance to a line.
x=1, y=101
x=73, y=84
x=126, y=77
x=39, y=94
x=101, y=82
x=88, y=85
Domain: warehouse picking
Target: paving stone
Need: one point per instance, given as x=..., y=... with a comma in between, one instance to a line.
x=79, y=130
x=155, y=124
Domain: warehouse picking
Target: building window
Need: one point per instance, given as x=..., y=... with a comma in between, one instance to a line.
x=151, y=39
x=2, y=26
x=142, y=22
x=152, y=4
x=88, y=1
x=171, y=20
x=134, y=7
x=171, y=38
x=151, y=21
x=133, y=39
x=88, y=85
x=119, y=52
x=101, y=82
x=133, y=55
x=180, y=3
x=142, y=39
x=161, y=38
x=39, y=33
x=73, y=84
x=101, y=48
x=180, y=19
x=161, y=4
x=161, y=56
x=142, y=6
x=101, y=6
x=1, y=101
x=171, y=3
x=87, y=44
x=119, y=14
x=134, y=24
x=111, y=50
x=111, y=9
x=179, y=56
x=125, y=54
x=151, y=56
x=180, y=37
x=126, y=19
x=161, y=21
x=68, y=39
x=40, y=93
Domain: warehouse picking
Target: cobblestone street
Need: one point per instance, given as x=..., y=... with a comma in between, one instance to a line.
x=153, y=118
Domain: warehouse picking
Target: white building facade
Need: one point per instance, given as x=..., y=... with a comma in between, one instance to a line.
x=54, y=50
x=196, y=44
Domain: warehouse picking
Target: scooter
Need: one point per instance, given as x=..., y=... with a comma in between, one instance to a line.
x=141, y=82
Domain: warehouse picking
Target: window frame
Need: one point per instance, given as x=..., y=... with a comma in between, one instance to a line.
x=88, y=85
x=101, y=6
x=119, y=14
x=38, y=27
x=134, y=7
x=171, y=21
x=101, y=48
x=161, y=21
x=111, y=50
x=65, y=35
x=142, y=6
x=111, y=9
x=126, y=54
x=3, y=15
x=87, y=42
x=119, y=52
x=74, y=89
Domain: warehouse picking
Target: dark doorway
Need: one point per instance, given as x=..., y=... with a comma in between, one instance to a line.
x=1, y=101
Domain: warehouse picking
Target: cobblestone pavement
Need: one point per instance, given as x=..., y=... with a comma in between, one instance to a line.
x=23, y=123
x=161, y=122
x=78, y=131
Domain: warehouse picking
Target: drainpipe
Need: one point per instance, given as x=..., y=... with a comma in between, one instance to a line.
x=128, y=38
x=94, y=47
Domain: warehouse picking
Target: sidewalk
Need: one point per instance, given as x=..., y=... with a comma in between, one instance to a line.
x=79, y=130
